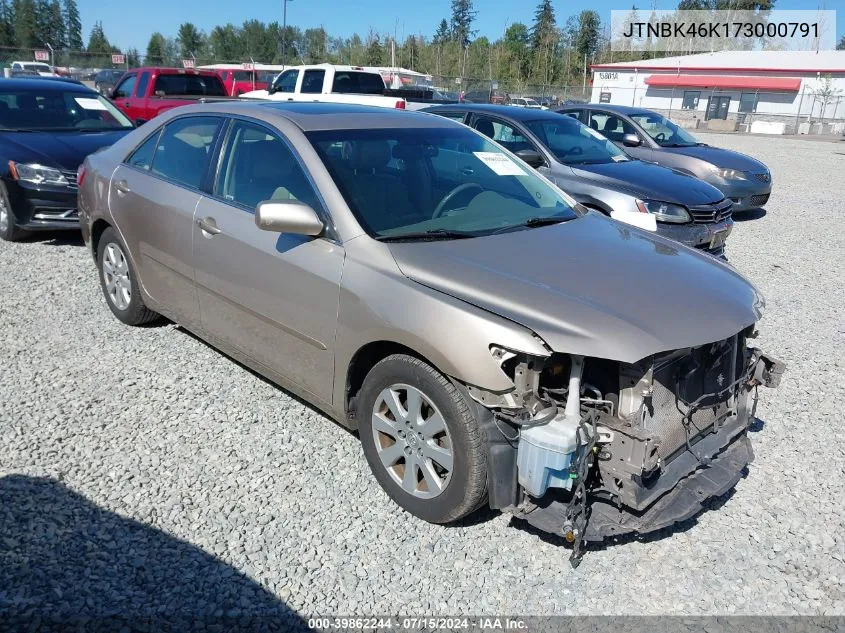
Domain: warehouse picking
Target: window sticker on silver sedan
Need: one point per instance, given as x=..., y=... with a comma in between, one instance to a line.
x=499, y=163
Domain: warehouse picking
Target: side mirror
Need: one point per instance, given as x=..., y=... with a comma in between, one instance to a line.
x=287, y=216
x=631, y=140
x=530, y=156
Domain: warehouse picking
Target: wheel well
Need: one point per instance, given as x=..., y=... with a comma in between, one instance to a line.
x=96, y=233
x=363, y=361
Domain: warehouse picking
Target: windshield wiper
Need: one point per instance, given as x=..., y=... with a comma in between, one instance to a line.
x=432, y=234
x=531, y=223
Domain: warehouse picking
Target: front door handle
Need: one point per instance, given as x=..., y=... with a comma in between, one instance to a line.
x=122, y=187
x=209, y=225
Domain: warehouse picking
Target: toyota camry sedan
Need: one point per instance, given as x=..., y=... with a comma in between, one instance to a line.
x=492, y=341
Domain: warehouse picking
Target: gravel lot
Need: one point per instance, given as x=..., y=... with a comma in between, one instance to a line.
x=143, y=472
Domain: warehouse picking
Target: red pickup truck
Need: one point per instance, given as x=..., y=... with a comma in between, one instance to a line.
x=238, y=81
x=142, y=93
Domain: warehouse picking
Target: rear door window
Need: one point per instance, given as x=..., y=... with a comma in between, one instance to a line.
x=503, y=133
x=312, y=81
x=142, y=157
x=352, y=82
x=194, y=85
x=257, y=166
x=184, y=150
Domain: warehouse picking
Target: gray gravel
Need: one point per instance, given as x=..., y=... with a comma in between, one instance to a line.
x=193, y=484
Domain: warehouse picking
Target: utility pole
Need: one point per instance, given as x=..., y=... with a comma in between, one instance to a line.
x=584, y=87
x=52, y=57
x=284, y=31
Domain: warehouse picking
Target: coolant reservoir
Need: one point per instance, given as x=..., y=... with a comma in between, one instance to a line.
x=545, y=453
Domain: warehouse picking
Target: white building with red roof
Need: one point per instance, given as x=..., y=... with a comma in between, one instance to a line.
x=788, y=87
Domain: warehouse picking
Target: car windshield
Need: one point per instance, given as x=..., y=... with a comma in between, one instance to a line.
x=663, y=131
x=40, y=68
x=438, y=182
x=35, y=109
x=573, y=143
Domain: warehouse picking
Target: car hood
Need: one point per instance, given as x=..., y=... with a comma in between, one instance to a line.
x=591, y=286
x=647, y=180
x=719, y=157
x=65, y=150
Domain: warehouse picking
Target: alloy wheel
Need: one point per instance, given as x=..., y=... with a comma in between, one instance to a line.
x=116, y=276
x=412, y=441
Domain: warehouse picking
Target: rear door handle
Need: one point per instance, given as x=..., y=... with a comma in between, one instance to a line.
x=209, y=225
x=122, y=187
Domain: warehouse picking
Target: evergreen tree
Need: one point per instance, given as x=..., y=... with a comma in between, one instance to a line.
x=55, y=26
x=97, y=41
x=26, y=24
x=191, y=41
x=133, y=58
x=463, y=15
x=589, y=32
x=72, y=25
x=7, y=24
x=155, y=50
x=544, y=37
x=375, y=51
x=442, y=33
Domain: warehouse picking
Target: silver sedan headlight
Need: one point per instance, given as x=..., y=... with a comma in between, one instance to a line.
x=37, y=174
x=664, y=212
x=731, y=174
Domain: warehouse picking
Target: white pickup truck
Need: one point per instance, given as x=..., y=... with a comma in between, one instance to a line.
x=325, y=82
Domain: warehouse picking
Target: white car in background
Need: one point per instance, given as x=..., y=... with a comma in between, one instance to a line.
x=45, y=70
x=526, y=102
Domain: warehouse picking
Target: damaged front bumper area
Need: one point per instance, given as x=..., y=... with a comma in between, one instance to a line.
x=603, y=449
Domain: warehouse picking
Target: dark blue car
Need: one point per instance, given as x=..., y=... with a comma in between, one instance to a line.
x=47, y=128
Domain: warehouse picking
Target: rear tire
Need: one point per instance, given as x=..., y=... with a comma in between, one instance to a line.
x=119, y=281
x=9, y=230
x=410, y=414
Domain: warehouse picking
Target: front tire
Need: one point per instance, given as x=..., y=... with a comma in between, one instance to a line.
x=119, y=281
x=421, y=438
x=9, y=230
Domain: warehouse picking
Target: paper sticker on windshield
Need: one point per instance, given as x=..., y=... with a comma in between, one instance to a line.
x=90, y=104
x=499, y=163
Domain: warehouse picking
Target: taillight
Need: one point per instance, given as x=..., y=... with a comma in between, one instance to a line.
x=400, y=104
x=80, y=175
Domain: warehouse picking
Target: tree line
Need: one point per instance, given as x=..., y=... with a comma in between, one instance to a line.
x=541, y=51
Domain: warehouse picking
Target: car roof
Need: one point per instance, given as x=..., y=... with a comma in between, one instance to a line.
x=316, y=116
x=45, y=84
x=619, y=109
x=510, y=112
x=171, y=70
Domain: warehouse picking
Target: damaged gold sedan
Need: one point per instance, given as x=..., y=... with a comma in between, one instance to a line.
x=491, y=341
